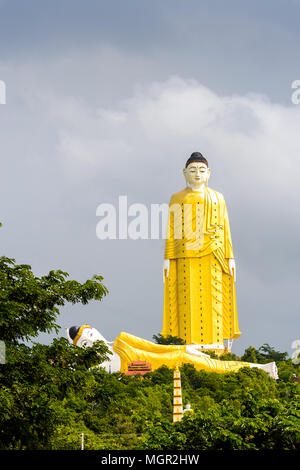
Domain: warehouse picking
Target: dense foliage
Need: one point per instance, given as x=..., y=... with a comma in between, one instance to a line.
x=169, y=339
x=50, y=394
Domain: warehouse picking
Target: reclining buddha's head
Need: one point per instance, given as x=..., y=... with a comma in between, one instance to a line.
x=84, y=336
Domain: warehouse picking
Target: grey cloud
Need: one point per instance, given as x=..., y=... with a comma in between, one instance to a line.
x=231, y=47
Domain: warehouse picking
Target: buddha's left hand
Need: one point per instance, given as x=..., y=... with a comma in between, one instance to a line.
x=232, y=268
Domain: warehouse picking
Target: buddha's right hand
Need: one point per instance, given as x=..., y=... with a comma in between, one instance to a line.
x=166, y=269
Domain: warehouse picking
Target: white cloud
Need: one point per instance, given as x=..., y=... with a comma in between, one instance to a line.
x=166, y=120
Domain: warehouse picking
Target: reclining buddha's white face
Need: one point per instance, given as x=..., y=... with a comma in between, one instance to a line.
x=84, y=336
x=89, y=336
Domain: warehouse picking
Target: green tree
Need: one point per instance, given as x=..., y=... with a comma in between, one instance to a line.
x=269, y=426
x=30, y=304
x=36, y=381
x=43, y=387
x=251, y=355
x=270, y=354
x=229, y=356
x=169, y=339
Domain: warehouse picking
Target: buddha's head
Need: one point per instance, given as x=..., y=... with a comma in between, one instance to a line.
x=84, y=336
x=196, y=171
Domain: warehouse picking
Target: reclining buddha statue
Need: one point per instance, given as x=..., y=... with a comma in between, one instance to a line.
x=128, y=348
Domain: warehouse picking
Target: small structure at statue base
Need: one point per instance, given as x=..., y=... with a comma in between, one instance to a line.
x=188, y=409
x=138, y=367
x=294, y=378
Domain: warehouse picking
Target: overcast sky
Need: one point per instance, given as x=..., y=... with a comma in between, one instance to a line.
x=109, y=98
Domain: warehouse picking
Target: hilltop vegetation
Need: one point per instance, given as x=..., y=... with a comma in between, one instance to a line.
x=50, y=394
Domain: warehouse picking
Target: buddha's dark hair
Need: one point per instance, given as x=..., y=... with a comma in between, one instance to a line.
x=196, y=157
x=73, y=331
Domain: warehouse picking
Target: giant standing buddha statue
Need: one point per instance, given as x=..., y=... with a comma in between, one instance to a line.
x=199, y=268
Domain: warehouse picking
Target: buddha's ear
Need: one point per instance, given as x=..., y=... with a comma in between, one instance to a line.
x=208, y=173
x=184, y=174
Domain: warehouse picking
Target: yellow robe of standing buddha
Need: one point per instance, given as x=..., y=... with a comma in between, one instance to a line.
x=199, y=293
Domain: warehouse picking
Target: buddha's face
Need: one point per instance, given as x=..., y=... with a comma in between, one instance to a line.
x=196, y=174
x=88, y=337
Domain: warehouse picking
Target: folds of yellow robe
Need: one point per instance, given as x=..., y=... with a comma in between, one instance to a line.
x=199, y=293
x=131, y=348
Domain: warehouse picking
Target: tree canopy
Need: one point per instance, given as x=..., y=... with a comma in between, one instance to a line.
x=30, y=305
